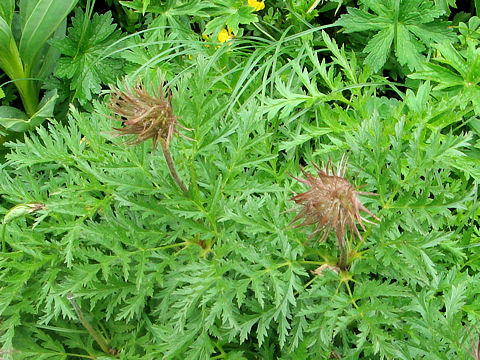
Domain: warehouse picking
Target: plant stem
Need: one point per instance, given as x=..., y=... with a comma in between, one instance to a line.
x=171, y=167
x=342, y=261
x=100, y=341
x=12, y=65
x=4, y=248
x=26, y=88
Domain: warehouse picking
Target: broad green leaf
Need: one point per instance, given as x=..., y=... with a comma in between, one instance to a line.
x=358, y=20
x=7, y=7
x=378, y=48
x=445, y=5
x=408, y=49
x=145, y=6
x=50, y=54
x=10, y=116
x=440, y=74
x=45, y=109
x=14, y=119
x=6, y=38
x=25, y=10
x=474, y=72
x=453, y=58
x=414, y=25
x=41, y=23
x=84, y=62
x=10, y=61
x=435, y=32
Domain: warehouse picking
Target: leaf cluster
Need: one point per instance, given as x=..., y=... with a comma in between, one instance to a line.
x=406, y=28
x=88, y=59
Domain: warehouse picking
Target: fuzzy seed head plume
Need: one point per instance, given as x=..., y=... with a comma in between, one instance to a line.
x=143, y=115
x=331, y=203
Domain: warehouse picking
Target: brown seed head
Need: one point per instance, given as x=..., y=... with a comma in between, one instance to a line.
x=331, y=203
x=147, y=117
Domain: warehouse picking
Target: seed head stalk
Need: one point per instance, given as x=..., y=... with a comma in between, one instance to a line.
x=343, y=259
x=332, y=204
x=171, y=167
x=148, y=116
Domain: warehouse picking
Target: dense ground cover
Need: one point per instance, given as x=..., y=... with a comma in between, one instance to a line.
x=191, y=236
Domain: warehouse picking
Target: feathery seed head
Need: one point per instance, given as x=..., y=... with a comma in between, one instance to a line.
x=147, y=117
x=331, y=203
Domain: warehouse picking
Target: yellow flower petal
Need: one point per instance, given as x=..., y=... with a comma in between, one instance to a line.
x=258, y=5
x=223, y=35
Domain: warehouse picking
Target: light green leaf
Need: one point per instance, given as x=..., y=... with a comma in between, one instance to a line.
x=454, y=300
x=5, y=37
x=26, y=7
x=14, y=119
x=408, y=49
x=418, y=102
x=10, y=61
x=44, y=19
x=7, y=7
x=378, y=48
x=358, y=20
x=453, y=58
x=45, y=108
x=10, y=116
x=145, y=6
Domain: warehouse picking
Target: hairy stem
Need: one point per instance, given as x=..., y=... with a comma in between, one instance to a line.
x=171, y=167
x=342, y=261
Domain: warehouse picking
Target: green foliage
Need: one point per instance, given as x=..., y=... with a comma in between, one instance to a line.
x=104, y=257
x=457, y=71
x=26, y=59
x=88, y=58
x=222, y=13
x=219, y=271
x=408, y=26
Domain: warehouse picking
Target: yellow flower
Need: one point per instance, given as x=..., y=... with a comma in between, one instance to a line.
x=258, y=5
x=206, y=38
x=224, y=35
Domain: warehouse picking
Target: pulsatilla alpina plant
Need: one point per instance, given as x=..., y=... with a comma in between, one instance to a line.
x=148, y=117
x=331, y=204
x=117, y=264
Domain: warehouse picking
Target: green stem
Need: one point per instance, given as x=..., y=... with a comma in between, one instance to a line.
x=100, y=341
x=12, y=65
x=171, y=167
x=4, y=248
x=342, y=261
x=28, y=94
